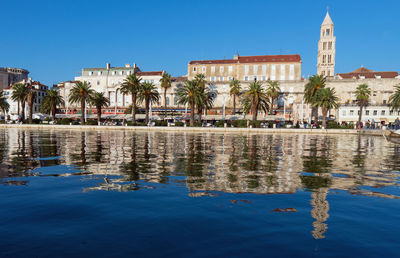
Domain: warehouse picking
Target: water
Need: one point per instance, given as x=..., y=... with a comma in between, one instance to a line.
x=116, y=193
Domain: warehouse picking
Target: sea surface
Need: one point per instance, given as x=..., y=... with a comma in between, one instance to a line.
x=146, y=194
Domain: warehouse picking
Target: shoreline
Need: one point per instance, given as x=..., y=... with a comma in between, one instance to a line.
x=198, y=129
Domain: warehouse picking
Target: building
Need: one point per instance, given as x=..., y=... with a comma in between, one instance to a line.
x=108, y=80
x=41, y=92
x=9, y=76
x=326, y=48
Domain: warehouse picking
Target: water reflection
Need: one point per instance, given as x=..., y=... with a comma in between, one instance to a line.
x=208, y=163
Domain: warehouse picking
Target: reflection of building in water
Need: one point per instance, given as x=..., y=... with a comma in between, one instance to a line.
x=205, y=162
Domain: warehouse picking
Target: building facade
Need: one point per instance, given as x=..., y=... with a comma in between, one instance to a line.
x=9, y=76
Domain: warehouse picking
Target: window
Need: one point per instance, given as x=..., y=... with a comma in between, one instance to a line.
x=254, y=78
x=264, y=68
x=121, y=72
x=264, y=78
x=212, y=69
x=194, y=69
x=375, y=112
x=324, y=46
x=246, y=78
x=212, y=78
x=323, y=59
x=344, y=113
x=327, y=32
x=351, y=112
x=291, y=72
x=383, y=112
x=113, y=72
x=384, y=101
x=246, y=69
x=230, y=78
x=203, y=69
x=90, y=73
x=221, y=69
x=367, y=112
x=391, y=112
x=230, y=68
x=329, y=59
x=329, y=45
x=167, y=101
x=255, y=68
x=282, y=72
x=98, y=82
x=329, y=73
x=99, y=73
x=221, y=78
x=273, y=71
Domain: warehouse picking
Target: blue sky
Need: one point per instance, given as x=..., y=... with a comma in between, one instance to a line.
x=54, y=40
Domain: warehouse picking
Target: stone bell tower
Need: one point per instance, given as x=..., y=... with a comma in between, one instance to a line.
x=326, y=48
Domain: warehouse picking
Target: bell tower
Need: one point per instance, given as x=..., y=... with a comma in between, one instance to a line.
x=326, y=48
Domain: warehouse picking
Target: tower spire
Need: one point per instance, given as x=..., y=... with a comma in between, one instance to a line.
x=326, y=48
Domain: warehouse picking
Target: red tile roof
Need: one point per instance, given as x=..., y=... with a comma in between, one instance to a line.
x=253, y=59
x=368, y=74
x=149, y=73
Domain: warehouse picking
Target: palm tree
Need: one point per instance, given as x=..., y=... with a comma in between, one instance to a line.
x=187, y=95
x=273, y=92
x=326, y=99
x=255, y=98
x=81, y=92
x=30, y=98
x=363, y=92
x=149, y=94
x=235, y=92
x=202, y=95
x=315, y=83
x=20, y=91
x=98, y=100
x=51, y=101
x=131, y=85
x=394, y=99
x=4, y=106
x=166, y=83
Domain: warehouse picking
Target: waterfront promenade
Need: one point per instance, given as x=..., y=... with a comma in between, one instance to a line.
x=199, y=129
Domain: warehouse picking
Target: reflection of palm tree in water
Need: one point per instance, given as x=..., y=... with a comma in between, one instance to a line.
x=319, y=163
x=319, y=212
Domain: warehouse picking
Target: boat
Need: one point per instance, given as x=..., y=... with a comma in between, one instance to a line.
x=392, y=136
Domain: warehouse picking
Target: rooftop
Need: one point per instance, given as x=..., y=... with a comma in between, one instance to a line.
x=252, y=59
x=363, y=72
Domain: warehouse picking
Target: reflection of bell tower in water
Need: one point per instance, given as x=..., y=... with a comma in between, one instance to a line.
x=326, y=48
x=319, y=212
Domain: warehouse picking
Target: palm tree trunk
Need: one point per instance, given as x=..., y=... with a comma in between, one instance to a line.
x=30, y=111
x=254, y=111
x=165, y=103
x=199, y=113
x=53, y=112
x=192, y=113
x=314, y=113
x=324, y=114
x=360, y=115
x=133, y=109
x=18, y=108
x=98, y=115
x=82, y=111
x=23, y=110
x=146, y=101
x=234, y=105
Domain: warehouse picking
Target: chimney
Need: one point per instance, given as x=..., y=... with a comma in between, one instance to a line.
x=127, y=66
x=134, y=65
x=108, y=66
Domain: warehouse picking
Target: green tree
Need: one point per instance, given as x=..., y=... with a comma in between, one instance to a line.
x=187, y=95
x=326, y=99
x=394, y=99
x=50, y=102
x=363, y=92
x=98, y=100
x=131, y=86
x=4, y=106
x=315, y=83
x=255, y=98
x=19, y=93
x=202, y=98
x=149, y=94
x=235, y=91
x=166, y=83
x=81, y=93
x=273, y=91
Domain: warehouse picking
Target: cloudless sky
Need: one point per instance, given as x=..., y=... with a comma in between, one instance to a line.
x=54, y=40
